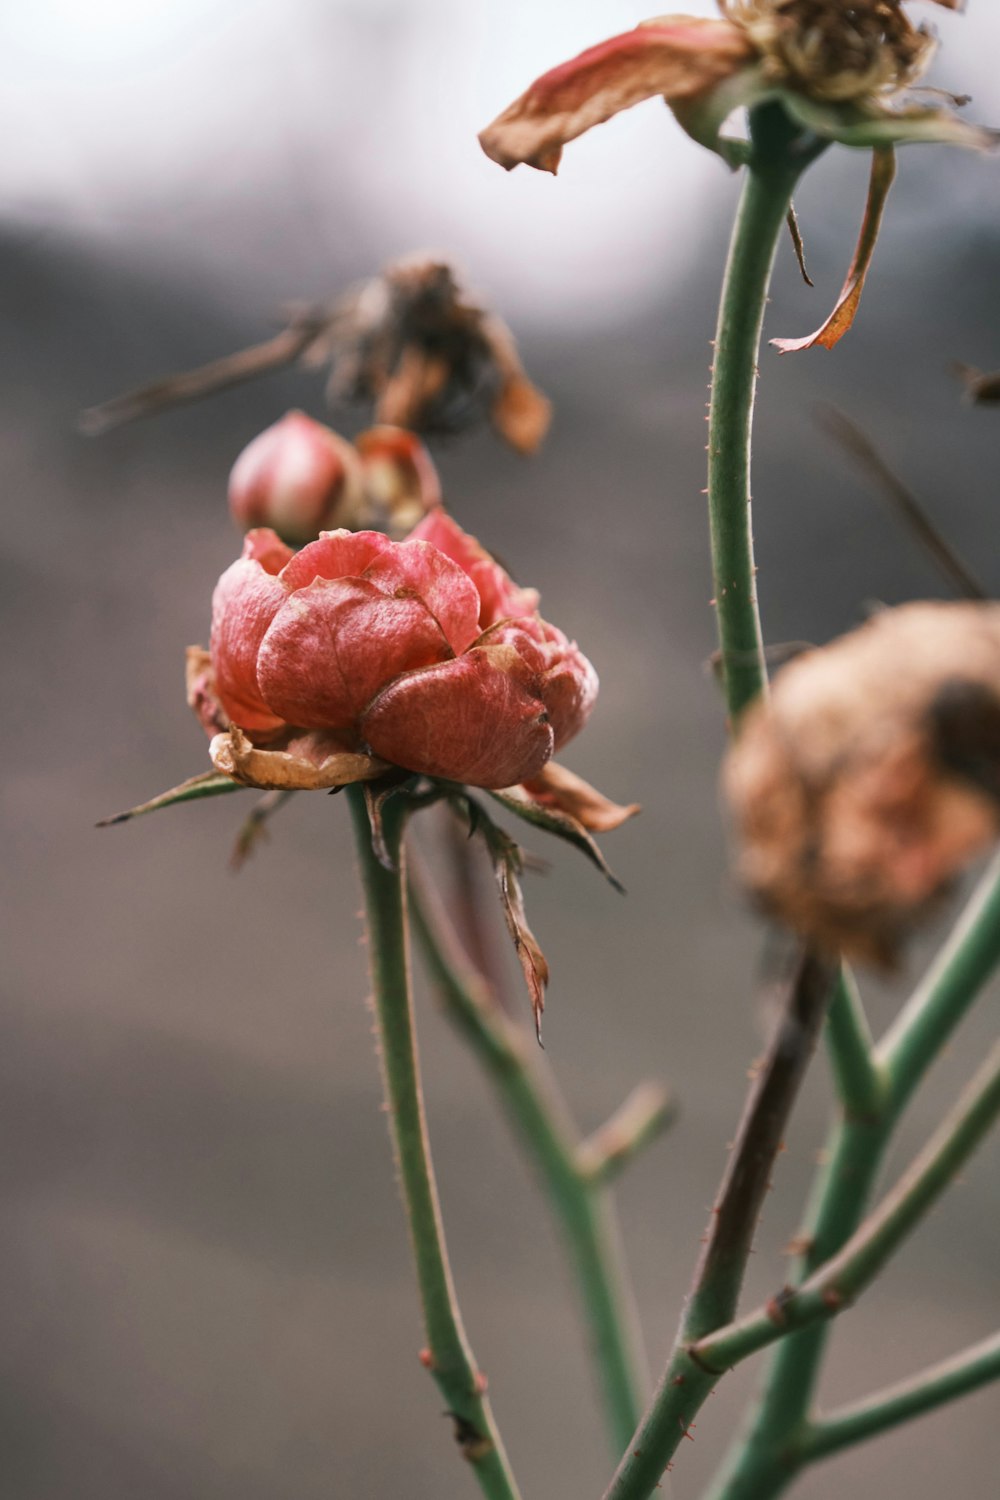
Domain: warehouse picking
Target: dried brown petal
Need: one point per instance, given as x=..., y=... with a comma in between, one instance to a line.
x=872, y=775
x=304, y=762
x=842, y=316
x=556, y=786
x=677, y=57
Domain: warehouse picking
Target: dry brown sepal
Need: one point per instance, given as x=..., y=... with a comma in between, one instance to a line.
x=675, y=56
x=836, y=325
x=556, y=786
x=871, y=776
x=307, y=762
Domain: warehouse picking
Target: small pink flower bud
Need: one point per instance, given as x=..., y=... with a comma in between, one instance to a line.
x=421, y=654
x=297, y=477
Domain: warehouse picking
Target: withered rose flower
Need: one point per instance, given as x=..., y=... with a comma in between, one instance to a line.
x=871, y=776
x=359, y=653
x=297, y=477
x=841, y=71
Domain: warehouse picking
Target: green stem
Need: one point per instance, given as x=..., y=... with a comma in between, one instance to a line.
x=859, y=1078
x=573, y=1178
x=760, y=220
x=842, y=1278
x=687, y=1381
x=778, y=156
x=900, y=1403
x=449, y=1356
x=768, y=1456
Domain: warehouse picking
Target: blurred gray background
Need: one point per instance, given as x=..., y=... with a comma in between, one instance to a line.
x=205, y=1288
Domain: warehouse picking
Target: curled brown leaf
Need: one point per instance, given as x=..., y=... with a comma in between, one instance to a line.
x=842, y=316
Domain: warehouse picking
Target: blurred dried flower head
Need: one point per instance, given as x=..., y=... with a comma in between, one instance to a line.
x=836, y=51
x=408, y=340
x=871, y=776
x=412, y=342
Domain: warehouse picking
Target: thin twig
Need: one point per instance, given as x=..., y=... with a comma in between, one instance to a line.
x=836, y=1284
x=845, y=431
x=763, y=1459
x=276, y=353
x=686, y=1382
x=923, y=1392
x=860, y=1079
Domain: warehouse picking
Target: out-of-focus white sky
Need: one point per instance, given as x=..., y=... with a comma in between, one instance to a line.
x=192, y=128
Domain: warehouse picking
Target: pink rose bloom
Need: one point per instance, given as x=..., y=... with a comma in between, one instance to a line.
x=422, y=653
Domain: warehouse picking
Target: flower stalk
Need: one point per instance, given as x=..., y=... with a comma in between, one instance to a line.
x=449, y=1356
x=780, y=154
x=573, y=1174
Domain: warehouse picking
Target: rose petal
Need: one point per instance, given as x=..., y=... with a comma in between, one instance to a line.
x=246, y=599
x=335, y=554
x=569, y=692
x=419, y=569
x=500, y=597
x=676, y=56
x=334, y=644
x=556, y=786
x=307, y=764
x=567, y=683
x=475, y=719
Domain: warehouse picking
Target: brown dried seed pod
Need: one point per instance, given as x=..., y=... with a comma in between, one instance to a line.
x=872, y=775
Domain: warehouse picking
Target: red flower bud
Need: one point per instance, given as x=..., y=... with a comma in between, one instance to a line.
x=297, y=477
x=423, y=653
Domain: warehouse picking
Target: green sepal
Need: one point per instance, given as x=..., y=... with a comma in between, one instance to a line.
x=561, y=824
x=209, y=784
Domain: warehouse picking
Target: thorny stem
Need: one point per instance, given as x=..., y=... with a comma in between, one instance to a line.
x=449, y=1356
x=686, y=1382
x=839, y=1280
x=760, y=219
x=923, y=1392
x=766, y=1459
x=574, y=1177
x=778, y=157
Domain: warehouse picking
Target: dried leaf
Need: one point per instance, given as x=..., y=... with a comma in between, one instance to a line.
x=798, y=244
x=842, y=316
x=376, y=796
x=678, y=57
x=208, y=784
x=507, y=867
